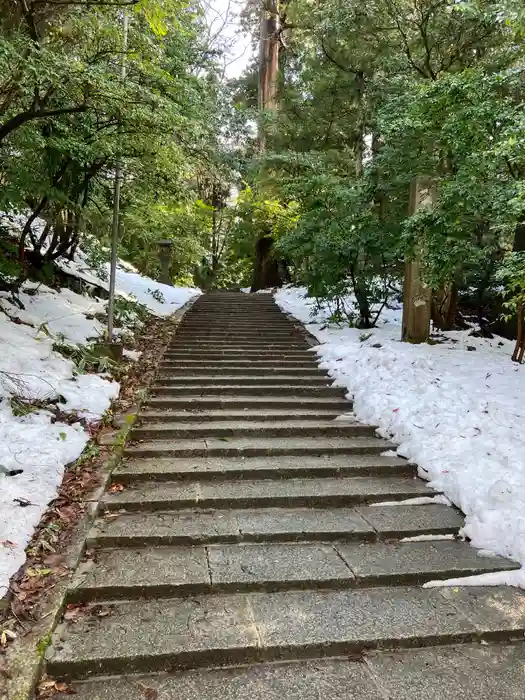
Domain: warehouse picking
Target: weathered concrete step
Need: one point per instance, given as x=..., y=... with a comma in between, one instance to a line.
x=248, y=370
x=261, y=333
x=130, y=574
x=206, y=402
x=255, y=379
x=241, y=628
x=276, y=365
x=220, y=331
x=285, y=467
x=466, y=671
x=254, y=447
x=233, y=354
x=238, y=345
x=204, y=416
x=198, y=526
x=238, y=428
x=288, y=341
x=318, y=493
x=248, y=327
x=213, y=357
x=252, y=389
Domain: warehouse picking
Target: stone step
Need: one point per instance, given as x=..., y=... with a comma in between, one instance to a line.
x=265, y=401
x=466, y=671
x=251, y=371
x=266, y=493
x=239, y=345
x=237, y=428
x=255, y=379
x=254, y=447
x=219, y=330
x=287, y=342
x=214, y=356
x=285, y=365
x=204, y=417
x=171, y=469
x=198, y=526
x=252, y=389
x=130, y=574
x=248, y=326
x=211, y=630
x=219, y=333
x=244, y=354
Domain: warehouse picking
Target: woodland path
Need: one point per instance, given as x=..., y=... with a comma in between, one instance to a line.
x=247, y=555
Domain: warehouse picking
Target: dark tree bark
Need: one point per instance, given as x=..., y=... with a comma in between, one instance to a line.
x=445, y=307
x=265, y=266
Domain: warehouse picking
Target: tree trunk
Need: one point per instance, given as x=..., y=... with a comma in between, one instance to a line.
x=416, y=294
x=265, y=268
x=519, y=348
x=519, y=237
x=268, y=64
x=444, y=307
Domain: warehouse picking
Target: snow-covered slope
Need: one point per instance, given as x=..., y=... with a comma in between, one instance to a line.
x=34, y=450
x=455, y=408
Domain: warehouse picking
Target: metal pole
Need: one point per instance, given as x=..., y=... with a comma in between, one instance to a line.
x=116, y=197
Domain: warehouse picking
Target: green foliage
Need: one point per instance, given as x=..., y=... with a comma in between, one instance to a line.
x=373, y=95
x=258, y=217
x=88, y=358
x=66, y=116
x=511, y=275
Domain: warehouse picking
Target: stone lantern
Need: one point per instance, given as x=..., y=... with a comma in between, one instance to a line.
x=165, y=247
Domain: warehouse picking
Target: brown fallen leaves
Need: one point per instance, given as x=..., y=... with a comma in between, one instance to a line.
x=48, y=687
x=75, y=612
x=149, y=693
x=6, y=636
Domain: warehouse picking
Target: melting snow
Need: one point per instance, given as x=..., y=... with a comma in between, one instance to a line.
x=457, y=413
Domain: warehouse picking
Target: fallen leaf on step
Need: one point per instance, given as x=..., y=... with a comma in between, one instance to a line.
x=356, y=657
x=74, y=612
x=6, y=636
x=48, y=687
x=149, y=693
x=116, y=488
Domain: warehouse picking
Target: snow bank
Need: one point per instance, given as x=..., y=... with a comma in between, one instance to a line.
x=160, y=299
x=34, y=451
x=455, y=408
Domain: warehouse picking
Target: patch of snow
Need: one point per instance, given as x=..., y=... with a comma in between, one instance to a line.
x=61, y=314
x=515, y=577
x=160, y=299
x=89, y=395
x=457, y=413
x=486, y=553
x=389, y=453
x=418, y=501
x=427, y=538
x=41, y=449
x=34, y=451
x=133, y=355
x=346, y=416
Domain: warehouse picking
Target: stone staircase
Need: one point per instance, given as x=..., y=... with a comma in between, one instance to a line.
x=251, y=546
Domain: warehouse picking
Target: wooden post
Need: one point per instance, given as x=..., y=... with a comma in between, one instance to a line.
x=417, y=296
